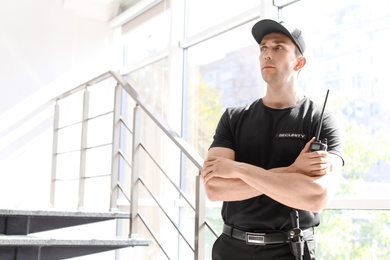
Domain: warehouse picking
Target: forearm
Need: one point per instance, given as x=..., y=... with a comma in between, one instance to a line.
x=305, y=184
x=220, y=189
x=292, y=189
x=282, y=169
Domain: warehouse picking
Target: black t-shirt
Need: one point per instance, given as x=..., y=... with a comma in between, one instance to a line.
x=271, y=138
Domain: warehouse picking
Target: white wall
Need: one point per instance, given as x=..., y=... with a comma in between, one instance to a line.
x=45, y=49
x=41, y=41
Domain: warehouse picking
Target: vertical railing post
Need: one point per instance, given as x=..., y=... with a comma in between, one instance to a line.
x=199, y=220
x=115, y=148
x=135, y=170
x=54, y=154
x=83, y=149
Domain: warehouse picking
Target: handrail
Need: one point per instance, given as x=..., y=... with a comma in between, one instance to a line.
x=185, y=148
x=200, y=222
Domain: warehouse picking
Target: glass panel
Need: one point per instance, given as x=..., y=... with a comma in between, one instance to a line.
x=203, y=14
x=162, y=227
x=126, y=142
x=147, y=39
x=126, y=126
x=152, y=83
x=354, y=234
x=223, y=72
x=125, y=182
x=346, y=54
x=127, y=109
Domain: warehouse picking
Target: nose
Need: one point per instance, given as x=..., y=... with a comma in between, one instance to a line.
x=266, y=55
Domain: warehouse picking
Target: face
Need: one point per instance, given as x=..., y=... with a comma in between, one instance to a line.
x=278, y=58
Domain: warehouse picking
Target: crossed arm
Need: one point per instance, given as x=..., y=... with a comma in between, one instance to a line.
x=303, y=185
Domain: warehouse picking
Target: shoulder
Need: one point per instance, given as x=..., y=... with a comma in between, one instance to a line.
x=310, y=105
x=240, y=110
x=314, y=110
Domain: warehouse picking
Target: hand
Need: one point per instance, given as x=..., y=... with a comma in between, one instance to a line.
x=312, y=163
x=218, y=167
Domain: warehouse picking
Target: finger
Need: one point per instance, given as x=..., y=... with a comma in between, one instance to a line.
x=207, y=177
x=306, y=149
x=210, y=159
x=207, y=163
x=205, y=171
x=322, y=169
x=202, y=174
x=321, y=156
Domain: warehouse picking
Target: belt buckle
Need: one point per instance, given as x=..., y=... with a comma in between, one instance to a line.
x=255, y=238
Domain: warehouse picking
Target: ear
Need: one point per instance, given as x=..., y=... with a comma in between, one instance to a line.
x=301, y=61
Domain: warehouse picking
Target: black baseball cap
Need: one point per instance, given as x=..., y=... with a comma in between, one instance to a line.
x=266, y=26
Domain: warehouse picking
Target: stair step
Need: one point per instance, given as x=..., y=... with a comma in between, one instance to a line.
x=63, y=213
x=29, y=247
x=8, y=240
x=24, y=222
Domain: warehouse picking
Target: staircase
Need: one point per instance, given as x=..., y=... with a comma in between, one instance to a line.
x=100, y=154
x=17, y=243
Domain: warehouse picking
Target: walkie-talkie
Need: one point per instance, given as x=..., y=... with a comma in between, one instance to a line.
x=319, y=145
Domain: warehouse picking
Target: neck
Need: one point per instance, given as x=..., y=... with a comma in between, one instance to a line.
x=281, y=98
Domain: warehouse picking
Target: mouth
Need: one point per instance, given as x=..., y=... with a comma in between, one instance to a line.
x=268, y=66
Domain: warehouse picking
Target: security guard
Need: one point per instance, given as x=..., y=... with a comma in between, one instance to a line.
x=259, y=163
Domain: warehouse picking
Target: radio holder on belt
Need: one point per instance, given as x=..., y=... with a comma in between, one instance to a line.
x=295, y=236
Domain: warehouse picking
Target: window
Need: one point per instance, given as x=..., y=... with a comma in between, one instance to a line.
x=345, y=54
x=223, y=72
x=146, y=36
x=346, y=48
x=204, y=14
x=350, y=35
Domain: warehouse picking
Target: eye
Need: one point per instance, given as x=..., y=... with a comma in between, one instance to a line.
x=279, y=47
x=263, y=49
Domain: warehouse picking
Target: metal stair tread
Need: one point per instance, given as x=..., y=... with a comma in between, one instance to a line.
x=17, y=240
x=64, y=213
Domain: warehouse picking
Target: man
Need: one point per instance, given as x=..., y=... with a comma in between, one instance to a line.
x=259, y=163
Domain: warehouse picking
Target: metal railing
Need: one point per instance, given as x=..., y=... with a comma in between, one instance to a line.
x=140, y=108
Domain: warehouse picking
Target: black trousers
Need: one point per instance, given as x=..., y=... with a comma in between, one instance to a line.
x=226, y=248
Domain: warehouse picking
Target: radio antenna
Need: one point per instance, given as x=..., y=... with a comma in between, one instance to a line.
x=317, y=136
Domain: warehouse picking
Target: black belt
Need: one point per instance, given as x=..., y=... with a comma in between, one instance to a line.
x=261, y=238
